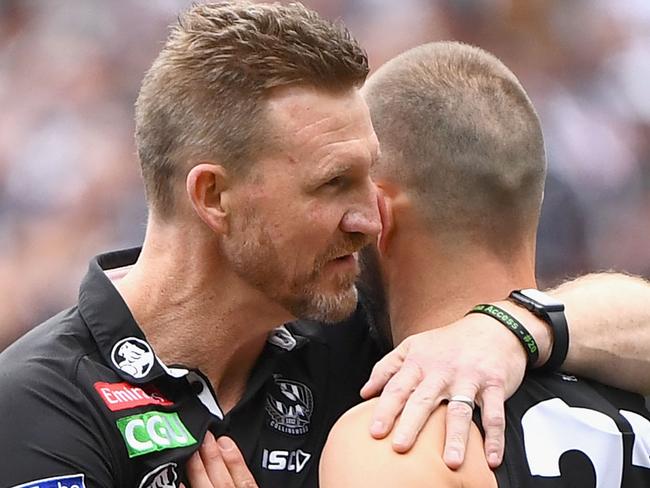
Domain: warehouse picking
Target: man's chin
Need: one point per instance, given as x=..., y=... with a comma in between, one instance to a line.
x=330, y=308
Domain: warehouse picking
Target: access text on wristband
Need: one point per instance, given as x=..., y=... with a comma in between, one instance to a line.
x=516, y=327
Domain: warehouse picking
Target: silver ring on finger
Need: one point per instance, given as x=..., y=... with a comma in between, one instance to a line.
x=463, y=399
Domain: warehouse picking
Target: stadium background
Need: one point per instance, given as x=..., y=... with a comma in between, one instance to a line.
x=70, y=71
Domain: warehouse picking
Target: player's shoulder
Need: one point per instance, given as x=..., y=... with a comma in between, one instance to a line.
x=354, y=424
x=48, y=355
x=563, y=388
x=353, y=458
x=49, y=423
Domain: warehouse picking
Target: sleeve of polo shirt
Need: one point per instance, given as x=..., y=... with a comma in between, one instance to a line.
x=50, y=433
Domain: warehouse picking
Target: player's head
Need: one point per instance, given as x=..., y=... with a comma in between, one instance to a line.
x=251, y=120
x=461, y=139
x=204, y=96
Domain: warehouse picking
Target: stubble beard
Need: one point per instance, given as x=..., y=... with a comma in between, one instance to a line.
x=310, y=304
x=257, y=261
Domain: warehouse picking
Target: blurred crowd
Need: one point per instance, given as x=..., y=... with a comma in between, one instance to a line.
x=70, y=71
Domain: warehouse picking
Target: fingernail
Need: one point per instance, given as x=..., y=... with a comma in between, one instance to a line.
x=493, y=458
x=377, y=427
x=225, y=444
x=400, y=440
x=453, y=456
x=208, y=439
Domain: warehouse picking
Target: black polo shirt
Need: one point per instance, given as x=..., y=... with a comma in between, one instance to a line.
x=85, y=402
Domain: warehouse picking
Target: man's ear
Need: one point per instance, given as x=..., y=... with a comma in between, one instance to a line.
x=205, y=185
x=385, y=203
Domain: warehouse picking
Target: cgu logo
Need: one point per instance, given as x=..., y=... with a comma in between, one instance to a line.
x=285, y=460
x=153, y=431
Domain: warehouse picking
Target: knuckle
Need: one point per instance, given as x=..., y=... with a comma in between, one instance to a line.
x=438, y=384
x=387, y=374
x=211, y=454
x=405, y=345
x=426, y=397
x=494, y=421
x=383, y=370
x=456, y=440
x=413, y=369
x=232, y=458
x=397, y=389
x=495, y=381
x=493, y=444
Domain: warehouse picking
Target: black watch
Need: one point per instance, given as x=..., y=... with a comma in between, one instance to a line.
x=551, y=311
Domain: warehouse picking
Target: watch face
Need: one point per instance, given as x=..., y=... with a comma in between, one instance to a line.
x=547, y=301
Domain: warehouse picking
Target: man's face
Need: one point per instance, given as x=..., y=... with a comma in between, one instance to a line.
x=308, y=205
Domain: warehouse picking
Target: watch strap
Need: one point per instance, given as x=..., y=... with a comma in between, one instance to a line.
x=556, y=319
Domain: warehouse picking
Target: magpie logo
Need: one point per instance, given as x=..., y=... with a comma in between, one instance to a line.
x=133, y=356
x=290, y=406
x=164, y=476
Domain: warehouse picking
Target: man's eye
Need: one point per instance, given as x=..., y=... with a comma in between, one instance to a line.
x=336, y=181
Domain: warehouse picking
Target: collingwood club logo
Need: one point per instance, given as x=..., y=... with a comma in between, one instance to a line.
x=290, y=406
x=164, y=476
x=133, y=356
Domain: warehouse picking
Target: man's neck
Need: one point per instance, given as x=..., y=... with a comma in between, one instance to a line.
x=197, y=313
x=431, y=286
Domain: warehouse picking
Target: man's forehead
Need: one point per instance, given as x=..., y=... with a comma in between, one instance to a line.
x=299, y=111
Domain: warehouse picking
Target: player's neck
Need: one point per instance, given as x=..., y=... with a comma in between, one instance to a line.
x=435, y=286
x=196, y=313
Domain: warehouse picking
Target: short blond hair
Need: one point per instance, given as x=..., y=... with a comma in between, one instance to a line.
x=203, y=96
x=458, y=130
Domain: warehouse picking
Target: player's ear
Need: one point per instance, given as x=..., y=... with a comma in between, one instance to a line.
x=384, y=201
x=206, y=184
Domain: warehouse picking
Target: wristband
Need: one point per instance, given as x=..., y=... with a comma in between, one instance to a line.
x=513, y=325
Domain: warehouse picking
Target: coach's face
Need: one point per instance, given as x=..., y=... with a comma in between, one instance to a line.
x=308, y=205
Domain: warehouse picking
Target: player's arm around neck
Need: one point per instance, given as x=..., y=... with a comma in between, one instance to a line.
x=609, y=326
x=352, y=458
x=608, y=319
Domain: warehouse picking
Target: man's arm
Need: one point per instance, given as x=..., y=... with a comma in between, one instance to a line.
x=352, y=458
x=609, y=317
x=609, y=328
x=47, y=432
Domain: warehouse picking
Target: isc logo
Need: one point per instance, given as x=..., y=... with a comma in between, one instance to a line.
x=285, y=460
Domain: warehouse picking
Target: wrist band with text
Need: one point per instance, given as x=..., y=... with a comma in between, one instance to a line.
x=516, y=327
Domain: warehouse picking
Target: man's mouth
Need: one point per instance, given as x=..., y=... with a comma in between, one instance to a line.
x=346, y=259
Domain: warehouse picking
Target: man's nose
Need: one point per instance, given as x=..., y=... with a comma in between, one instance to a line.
x=364, y=218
